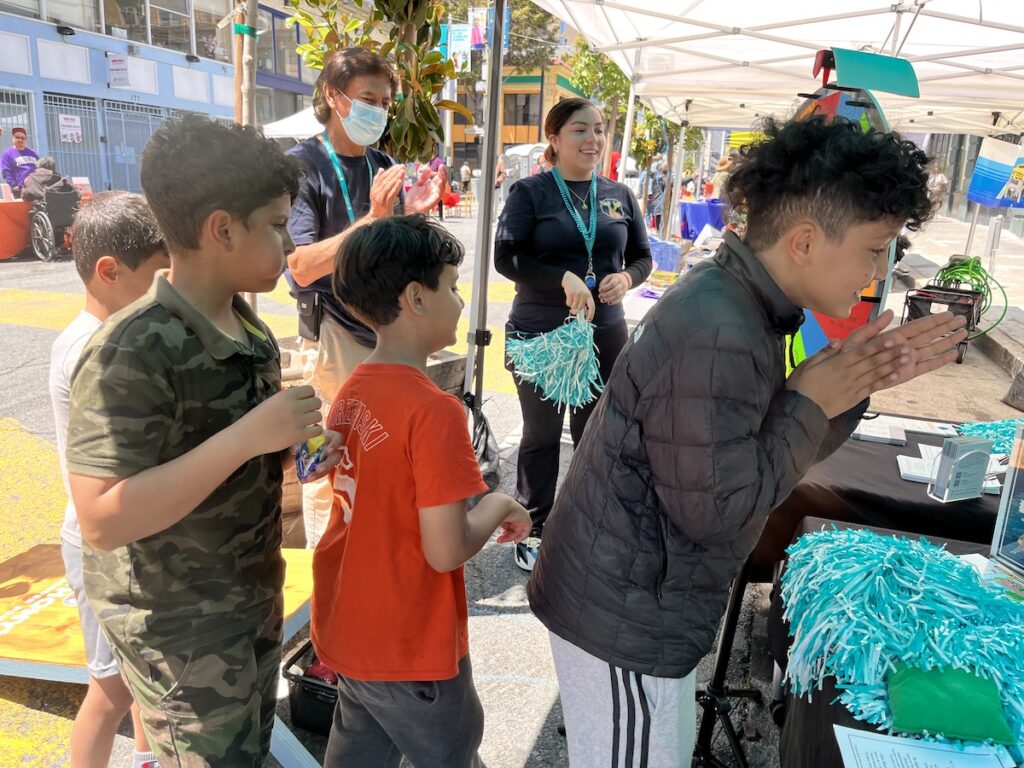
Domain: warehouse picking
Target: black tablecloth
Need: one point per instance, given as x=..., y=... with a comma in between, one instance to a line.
x=807, y=739
x=860, y=483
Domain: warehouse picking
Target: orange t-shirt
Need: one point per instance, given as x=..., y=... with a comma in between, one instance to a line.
x=379, y=611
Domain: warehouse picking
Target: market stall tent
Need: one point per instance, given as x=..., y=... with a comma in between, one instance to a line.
x=725, y=63
x=299, y=126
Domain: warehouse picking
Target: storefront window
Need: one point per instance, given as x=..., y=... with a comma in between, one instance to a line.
x=169, y=29
x=265, y=42
x=309, y=75
x=126, y=19
x=264, y=105
x=285, y=42
x=28, y=8
x=212, y=43
x=82, y=14
x=286, y=104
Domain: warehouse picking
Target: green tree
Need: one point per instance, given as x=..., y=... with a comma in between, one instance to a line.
x=413, y=32
x=600, y=79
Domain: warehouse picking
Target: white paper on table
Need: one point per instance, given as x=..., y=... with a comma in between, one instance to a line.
x=919, y=426
x=865, y=749
x=978, y=562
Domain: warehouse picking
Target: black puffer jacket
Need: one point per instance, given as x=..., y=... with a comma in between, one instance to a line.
x=694, y=442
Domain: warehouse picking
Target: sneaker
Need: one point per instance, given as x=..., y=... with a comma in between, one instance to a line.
x=526, y=553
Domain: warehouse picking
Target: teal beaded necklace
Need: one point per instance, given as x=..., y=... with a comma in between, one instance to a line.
x=589, y=233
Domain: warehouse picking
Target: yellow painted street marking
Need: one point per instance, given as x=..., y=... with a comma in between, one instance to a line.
x=496, y=378
x=31, y=490
x=498, y=292
x=280, y=293
x=39, y=309
x=31, y=732
x=53, y=310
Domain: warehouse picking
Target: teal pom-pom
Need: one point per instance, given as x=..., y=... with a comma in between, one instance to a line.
x=1000, y=432
x=858, y=603
x=561, y=364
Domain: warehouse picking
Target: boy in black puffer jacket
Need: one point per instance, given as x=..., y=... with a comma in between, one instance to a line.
x=699, y=434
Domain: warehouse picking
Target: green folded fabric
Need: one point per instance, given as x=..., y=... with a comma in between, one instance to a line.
x=956, y=703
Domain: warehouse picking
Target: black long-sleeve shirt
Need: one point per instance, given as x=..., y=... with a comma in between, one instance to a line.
x=537, y=242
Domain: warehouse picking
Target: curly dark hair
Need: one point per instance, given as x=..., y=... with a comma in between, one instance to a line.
x=376, y=263
x=831, y=172
x=192, y=166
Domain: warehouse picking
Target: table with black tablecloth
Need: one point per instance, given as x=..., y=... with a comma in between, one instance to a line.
x=808, y=739
x=860, y=483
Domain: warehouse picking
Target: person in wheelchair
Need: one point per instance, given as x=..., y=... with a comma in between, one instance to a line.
x=55, y=202
x=44, y=179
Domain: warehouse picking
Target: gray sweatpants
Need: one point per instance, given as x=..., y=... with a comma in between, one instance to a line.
x=436, y=724
x=622, y=719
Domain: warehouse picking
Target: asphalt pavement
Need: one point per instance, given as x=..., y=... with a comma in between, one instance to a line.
x=511, y=658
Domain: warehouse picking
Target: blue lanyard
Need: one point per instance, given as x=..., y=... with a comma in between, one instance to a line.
x=589, y=232
x=341, y=176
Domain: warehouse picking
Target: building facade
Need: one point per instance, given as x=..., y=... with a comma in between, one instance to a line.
x=526, y=99
x=91, y=80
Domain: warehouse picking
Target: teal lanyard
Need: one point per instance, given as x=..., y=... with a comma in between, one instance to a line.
x=341, y=176
x=589, y=232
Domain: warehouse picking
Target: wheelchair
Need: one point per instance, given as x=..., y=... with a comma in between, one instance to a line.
x=50, y=223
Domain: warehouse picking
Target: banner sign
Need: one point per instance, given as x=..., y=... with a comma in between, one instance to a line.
x=70, y=129
x=117, y=71
x=998, y=178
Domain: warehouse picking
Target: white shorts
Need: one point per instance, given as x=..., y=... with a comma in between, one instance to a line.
x=99, y=656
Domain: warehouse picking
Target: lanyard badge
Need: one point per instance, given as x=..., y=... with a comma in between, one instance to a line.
x=588, y=231
x=341, y=176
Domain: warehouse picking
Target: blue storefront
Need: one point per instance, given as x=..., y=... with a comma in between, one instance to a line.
x=91, y=79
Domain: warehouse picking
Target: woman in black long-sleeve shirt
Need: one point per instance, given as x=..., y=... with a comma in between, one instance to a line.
x=543, y=248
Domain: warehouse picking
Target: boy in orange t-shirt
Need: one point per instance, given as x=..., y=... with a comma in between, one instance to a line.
x=389, y=599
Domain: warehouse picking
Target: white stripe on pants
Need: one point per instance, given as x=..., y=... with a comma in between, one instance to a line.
x=615, y=718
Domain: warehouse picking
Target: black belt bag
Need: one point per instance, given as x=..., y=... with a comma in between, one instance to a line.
x=311, y=312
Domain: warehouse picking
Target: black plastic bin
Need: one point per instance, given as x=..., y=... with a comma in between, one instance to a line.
x=960, y=301
x=310, y=699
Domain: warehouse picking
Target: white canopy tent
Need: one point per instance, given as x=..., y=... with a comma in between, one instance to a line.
x=299, y=126
x=724, y=63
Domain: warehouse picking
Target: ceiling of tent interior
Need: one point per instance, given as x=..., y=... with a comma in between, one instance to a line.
x=725, y=63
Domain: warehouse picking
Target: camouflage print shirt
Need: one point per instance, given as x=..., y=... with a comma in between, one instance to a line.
x=153, y=383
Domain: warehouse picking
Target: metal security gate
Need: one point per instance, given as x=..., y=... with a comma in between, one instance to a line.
x=73, y=136
x=16, y=112
x=129, y=127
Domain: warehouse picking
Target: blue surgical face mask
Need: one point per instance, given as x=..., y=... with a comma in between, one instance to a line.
x=365, y=123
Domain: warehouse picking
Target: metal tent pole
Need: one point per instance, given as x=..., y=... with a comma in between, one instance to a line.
x=970, y=232
x=479, y=336
x=627, y=131
x=672, y=214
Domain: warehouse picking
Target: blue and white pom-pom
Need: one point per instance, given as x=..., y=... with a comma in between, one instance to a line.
x=1000, y=432
x=858, y=603
x=561, y=364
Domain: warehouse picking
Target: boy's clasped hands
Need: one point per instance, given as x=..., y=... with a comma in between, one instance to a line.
x=871, y=359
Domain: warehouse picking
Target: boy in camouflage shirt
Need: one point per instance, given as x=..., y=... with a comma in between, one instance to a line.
x=175, y=434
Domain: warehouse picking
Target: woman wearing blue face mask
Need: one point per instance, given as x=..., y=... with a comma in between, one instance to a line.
x=347, y=184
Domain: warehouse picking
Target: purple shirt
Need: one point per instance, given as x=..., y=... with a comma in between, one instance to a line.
x=16, y=165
